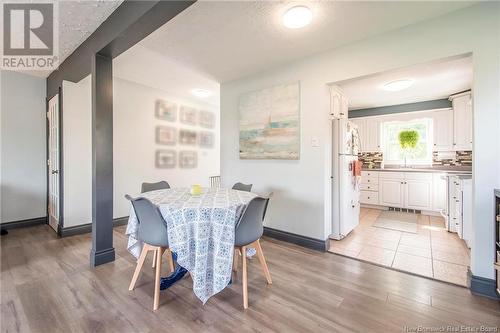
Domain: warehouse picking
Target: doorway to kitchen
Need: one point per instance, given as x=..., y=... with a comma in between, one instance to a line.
x=415, y=187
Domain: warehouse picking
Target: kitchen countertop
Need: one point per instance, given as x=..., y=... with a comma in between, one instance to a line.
x=449, y=170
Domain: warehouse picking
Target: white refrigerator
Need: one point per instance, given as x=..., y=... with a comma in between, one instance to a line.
x=345, y=185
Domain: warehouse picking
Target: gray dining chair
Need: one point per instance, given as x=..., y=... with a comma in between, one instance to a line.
x=147, y=187
x=153, y=234
x=242, y=187
x=249, y=230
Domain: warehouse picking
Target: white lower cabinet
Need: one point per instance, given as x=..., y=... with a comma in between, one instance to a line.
x=369, y=188
x=439, y=192
x=406, y=190
x=391, y=192
x=417, y=190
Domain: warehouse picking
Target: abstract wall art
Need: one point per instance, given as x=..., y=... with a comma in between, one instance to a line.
x=165, y=159
x=166, y=135
x=165, y=110
x=270, y=123
x=188, y=159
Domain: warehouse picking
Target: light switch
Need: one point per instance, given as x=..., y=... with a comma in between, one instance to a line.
x=315, y=142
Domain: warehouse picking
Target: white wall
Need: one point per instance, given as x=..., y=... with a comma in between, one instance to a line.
x=302, y=187
x=23, y=158
x=134, y=144
x=77, y=152
x=134, y=147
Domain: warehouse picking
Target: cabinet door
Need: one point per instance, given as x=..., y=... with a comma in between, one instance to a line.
x=443, y=130
x=361, y=123
x=462, y=123
x=338, y=103
x=439, y=192
x=390, y=192
x=372, y=134
x=418, y=194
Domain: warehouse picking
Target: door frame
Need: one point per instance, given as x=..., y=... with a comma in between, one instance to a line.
x=61, y=164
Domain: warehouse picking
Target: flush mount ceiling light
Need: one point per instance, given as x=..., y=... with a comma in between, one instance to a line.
x=398, y=85
x=297, y=17
x=202, y=93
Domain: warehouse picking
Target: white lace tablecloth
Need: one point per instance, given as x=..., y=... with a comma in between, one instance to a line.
x=201, y=232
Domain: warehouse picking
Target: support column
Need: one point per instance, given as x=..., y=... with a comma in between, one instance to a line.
x=102, y=161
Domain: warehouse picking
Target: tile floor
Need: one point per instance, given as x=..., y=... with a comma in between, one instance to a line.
x=432, y=251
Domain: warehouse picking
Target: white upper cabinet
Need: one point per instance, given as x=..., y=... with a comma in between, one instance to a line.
x=361, y=123
x=462, y=121
x=372, y=134
x=338, y=103
x=443, y=130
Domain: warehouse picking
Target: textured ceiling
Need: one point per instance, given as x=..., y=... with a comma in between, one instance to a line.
x=227, y=40
x=433, y=80
x=77, y=21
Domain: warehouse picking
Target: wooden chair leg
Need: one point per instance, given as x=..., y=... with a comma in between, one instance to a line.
x=157, y=278
x=170, y=260
x=154, y=260
x=245, y=280
x=140, y=262
x=263, y=263
x=235, y=260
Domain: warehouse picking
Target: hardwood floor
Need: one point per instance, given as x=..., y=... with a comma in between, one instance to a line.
x=48, y=286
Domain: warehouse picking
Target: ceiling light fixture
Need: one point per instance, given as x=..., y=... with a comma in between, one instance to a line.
x=398, y=85
x=297, y=17
x=202, y=93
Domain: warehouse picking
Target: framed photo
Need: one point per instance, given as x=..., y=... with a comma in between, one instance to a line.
x=206, y=139
x=165, y=110
x=188, y=115
x=166, y=135
x=187, y=137
x=165, y=159
x=207, y=119
x=188, y=159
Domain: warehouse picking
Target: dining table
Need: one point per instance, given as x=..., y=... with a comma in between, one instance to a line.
x=201, y=230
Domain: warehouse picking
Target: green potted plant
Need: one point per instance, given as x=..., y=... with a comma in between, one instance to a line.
x=408, y=140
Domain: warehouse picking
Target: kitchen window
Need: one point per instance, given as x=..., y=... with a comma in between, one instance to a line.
x=393, y=154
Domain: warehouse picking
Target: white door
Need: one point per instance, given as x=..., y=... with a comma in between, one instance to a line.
x=418, y=194
x=443, y=130
x=53, y=162
x=391, y=192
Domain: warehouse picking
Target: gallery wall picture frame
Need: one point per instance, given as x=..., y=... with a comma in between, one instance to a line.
x=188, y=159
x=166, y=135
x=206, y=139
x=165, y=110
x=206, y=119
x=165, y=159
x=187, y=137
x=188, y=115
